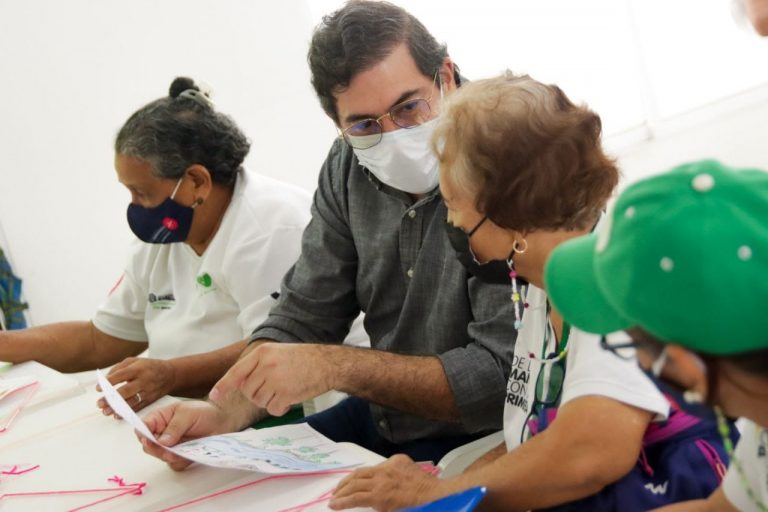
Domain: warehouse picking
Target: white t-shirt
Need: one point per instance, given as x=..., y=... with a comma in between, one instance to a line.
x=751, y=453
x=589, y=370
x=187, y=304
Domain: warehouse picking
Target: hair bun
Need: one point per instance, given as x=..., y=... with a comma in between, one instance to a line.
x=181, y=84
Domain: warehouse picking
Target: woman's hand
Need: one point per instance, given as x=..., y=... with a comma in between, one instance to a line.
x=392, y=485
x=180, y=422
x=146, y=380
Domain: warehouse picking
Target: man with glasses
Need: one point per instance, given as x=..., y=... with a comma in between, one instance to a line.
x=442, y=340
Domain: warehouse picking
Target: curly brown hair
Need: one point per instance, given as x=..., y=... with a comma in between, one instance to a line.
x=530, y=157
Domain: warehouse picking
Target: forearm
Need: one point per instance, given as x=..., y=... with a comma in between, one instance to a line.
x=195, y=375
x=529, y=478
x=66, y=346
x=413, y=384
x=487, y=458
x=570, y=460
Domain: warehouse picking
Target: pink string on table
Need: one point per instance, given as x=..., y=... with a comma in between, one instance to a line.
x=425, y=466
x=8, y=420
x=304, y=506
x=17, y=470
x=121, y=490
x=298, y=508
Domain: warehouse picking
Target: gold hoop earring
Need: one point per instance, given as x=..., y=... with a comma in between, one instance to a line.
x=520, y=248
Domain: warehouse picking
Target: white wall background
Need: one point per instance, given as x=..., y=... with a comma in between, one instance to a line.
x=673, y=81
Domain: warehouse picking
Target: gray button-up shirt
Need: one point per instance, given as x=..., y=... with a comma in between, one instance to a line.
x=369, y=247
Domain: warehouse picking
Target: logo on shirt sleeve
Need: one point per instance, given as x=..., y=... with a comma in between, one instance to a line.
x=166, y=301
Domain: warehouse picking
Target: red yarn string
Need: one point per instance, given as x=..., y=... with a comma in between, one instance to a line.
x=124, y=489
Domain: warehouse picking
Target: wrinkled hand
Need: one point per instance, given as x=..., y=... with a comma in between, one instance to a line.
x=146, y=380
x=275, y=376
x=181, y=422
x=392, y=485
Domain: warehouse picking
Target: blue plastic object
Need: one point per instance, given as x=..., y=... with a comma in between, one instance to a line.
x=11, y=304
x=464, y=501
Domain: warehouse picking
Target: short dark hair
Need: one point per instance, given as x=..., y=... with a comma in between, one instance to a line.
x=183, y=129
x=358, y=36
x=530, y=157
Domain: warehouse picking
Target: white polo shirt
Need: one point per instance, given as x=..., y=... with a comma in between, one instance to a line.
x=752, y=453
x=187, y=304
x=589, y=370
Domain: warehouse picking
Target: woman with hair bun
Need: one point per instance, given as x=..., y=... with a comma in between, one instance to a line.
x=214, y=243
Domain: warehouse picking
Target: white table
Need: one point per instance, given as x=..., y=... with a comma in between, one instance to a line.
x=78, y=448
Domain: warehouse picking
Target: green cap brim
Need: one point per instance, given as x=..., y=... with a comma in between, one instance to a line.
x=573, y=288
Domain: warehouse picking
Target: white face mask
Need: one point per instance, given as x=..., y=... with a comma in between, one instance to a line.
x=403, y=159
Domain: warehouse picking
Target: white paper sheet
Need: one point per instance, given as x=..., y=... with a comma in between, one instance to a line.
x=121, y=407
x=284, y=449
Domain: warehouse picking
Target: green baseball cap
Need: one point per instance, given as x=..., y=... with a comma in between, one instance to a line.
x=683, y=255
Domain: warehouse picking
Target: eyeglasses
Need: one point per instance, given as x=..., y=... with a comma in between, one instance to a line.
x=624, y=349
x=549, y=388
x=408, y=114
x=549, y=382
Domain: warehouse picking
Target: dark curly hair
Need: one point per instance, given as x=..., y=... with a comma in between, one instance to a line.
x=360, y=35
x=530, y=157
x=183, y=129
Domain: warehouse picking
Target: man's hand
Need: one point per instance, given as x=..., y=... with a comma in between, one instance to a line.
x=275, y=376
x=146, y=380
x=392, y=485
x=181, y=422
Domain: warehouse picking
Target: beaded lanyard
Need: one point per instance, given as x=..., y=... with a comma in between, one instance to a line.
x=725, y=434
x=516, y=300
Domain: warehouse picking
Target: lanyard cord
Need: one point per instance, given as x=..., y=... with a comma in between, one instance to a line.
x=725, y=434
x=562, y=345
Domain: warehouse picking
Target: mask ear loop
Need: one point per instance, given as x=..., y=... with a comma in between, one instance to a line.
x=659, y=363
x=176, y=188
x=710, y=373
x=197, y=202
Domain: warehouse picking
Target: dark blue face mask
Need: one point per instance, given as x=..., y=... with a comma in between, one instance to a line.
x=166, y=223
x=493, y=272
